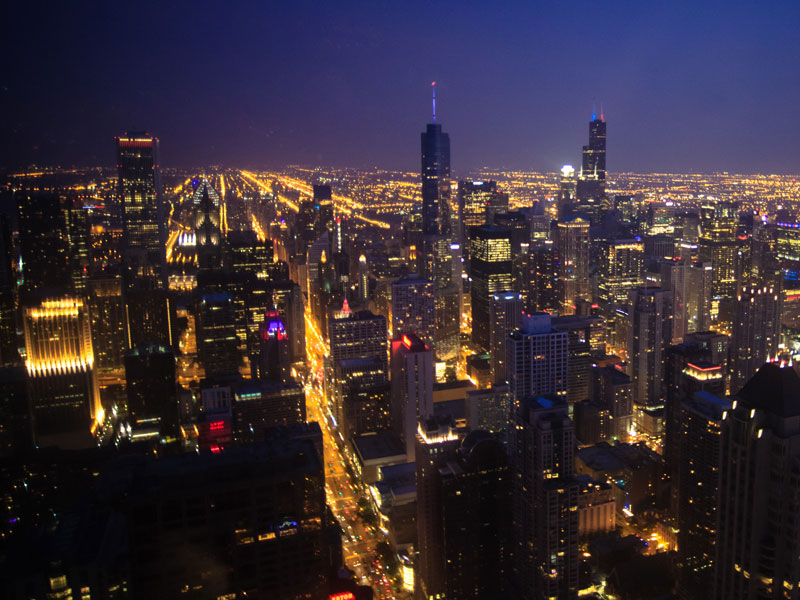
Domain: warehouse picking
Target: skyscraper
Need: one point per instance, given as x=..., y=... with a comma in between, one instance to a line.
x=620, y=265
x=544, y=499
x=464, y=499
x=60, y=361
x=435, y=146
x=491, y=272
x=756, y=328
x=151, y=387
x=649, y=334
x=478, y=202
x=412, y=388
x=44, y=244
x=207, y=226
x=573, y=250
x=592, y=179
x=718, y=246
x=505, y=315
x=756, y=541
x=144, y=219
x=536, y=363
x=217, y=344
x=413, y=307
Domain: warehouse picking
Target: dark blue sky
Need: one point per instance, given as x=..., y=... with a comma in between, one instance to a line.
x=686, y=86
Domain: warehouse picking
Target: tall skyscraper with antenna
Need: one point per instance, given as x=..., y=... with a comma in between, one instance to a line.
x=435, y=178
x=592, y=180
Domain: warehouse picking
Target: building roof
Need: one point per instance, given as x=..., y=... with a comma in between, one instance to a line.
x=377, y=446
x=773, y=389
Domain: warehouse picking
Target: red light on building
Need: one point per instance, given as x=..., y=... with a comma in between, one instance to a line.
x=407, y=341
x=216, y=425
x=342, y=596
x=215, y=449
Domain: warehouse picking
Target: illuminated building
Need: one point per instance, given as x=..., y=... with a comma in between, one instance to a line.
x=60, y=362
x=586, y=343
x=217, y=344
x=362, y=396
x=566, y=190
x=107, y=313
x=536, y=275
x=697, y=485
x=412, y=379
x=463, y=503
x=537, y=358
x=435, y=145
x=756, y=329
x=246, y=253
x=649, y=334
x=447, y=339
x=675, y=278
x=207, y=226
x=698, y=300
x=265, y=504
x=590, y=190
x=149, y=315
x=258, y=406
x=660, y=218
x=756, y=542
x=787, y=247
x=620, y=265
x=596, y=507
x=718, y=246
x=363, y=279
x=287, y=298
x=489, y=408
x=413, y=307
x=491, y=272
x=612, y=391
x=544, y=499
x=505, y=315
x=272, y=362
x=573, y=250
x=152, y=394
x=143, y=217
x=478, y=203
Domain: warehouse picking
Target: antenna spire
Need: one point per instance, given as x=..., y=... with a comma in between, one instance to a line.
x=594, y=112
x=602, y=117
x=433, y=87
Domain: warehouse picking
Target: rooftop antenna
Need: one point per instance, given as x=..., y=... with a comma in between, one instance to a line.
x=594, y=112
x=433, y=87
x=602, y=117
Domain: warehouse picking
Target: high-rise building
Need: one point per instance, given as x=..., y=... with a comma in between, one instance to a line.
x=363, y=279
x=246, y=253
x=412, y=388
x=649, y=335
x=464, y=502
x=362, y=396
x=323, y=213
x=478, y=203
x=544, y=499
x=586, y=343
x=505, y=315
x=257, y=406
x=489, y=408
x=697, y=486
x=62, y=387
x=9, y=342
x=16, y=434
x=537, y=354
x=151, y=387
x=698, y=301
x=536, y=274
x=107, y=313
x=675, y=278
x=44, y=244
x=573, y=250
x=591, y=187
x=435, y=180
x=566, y=191
x=620, y=266
x=756, y=328
x=490, y=272
x=217, y=344
x=272, y=362
x=413, y=307
x=207, y=226
x=756, y=541
x=718, y=246
x=612, y=391
x=143, y=216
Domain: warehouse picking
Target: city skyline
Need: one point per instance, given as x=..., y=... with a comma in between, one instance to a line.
x=345, y=86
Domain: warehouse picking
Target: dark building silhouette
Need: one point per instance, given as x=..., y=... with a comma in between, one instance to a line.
x=151, y=387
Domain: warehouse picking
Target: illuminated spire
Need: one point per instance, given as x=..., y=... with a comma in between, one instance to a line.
x=433, y=87
x=602, y=117
x=345, y=307
x=594, y=112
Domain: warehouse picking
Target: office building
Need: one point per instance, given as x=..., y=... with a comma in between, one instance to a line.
x=586, y=343
x=591, y=183
x=478, y=203
x=16, y=433
x=151, y=388
x=649, y=335
x=217, y=344
x=612, y=390
x=60, y=362
x=489, y=408
x=718, y=246
x=257, y=406
x=490, y=271
x=620, y=266
x=108, y=322
x=207, y=224
x=544, y=499
x=272, y=362
x=537, y=275
x=44, y=244
x=143, y=216
x=756, y=542
x=573, y=250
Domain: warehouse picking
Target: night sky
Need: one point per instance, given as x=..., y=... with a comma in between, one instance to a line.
x=685, y=86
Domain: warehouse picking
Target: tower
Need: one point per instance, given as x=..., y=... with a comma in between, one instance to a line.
x=536, y=363
x=505, y=315
x=573, y=251
x=413, y=307
x=207, y=216
x=592, y=180
x=491, y=272
x=143, y=217
x=756, y=327
x=412, y=388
